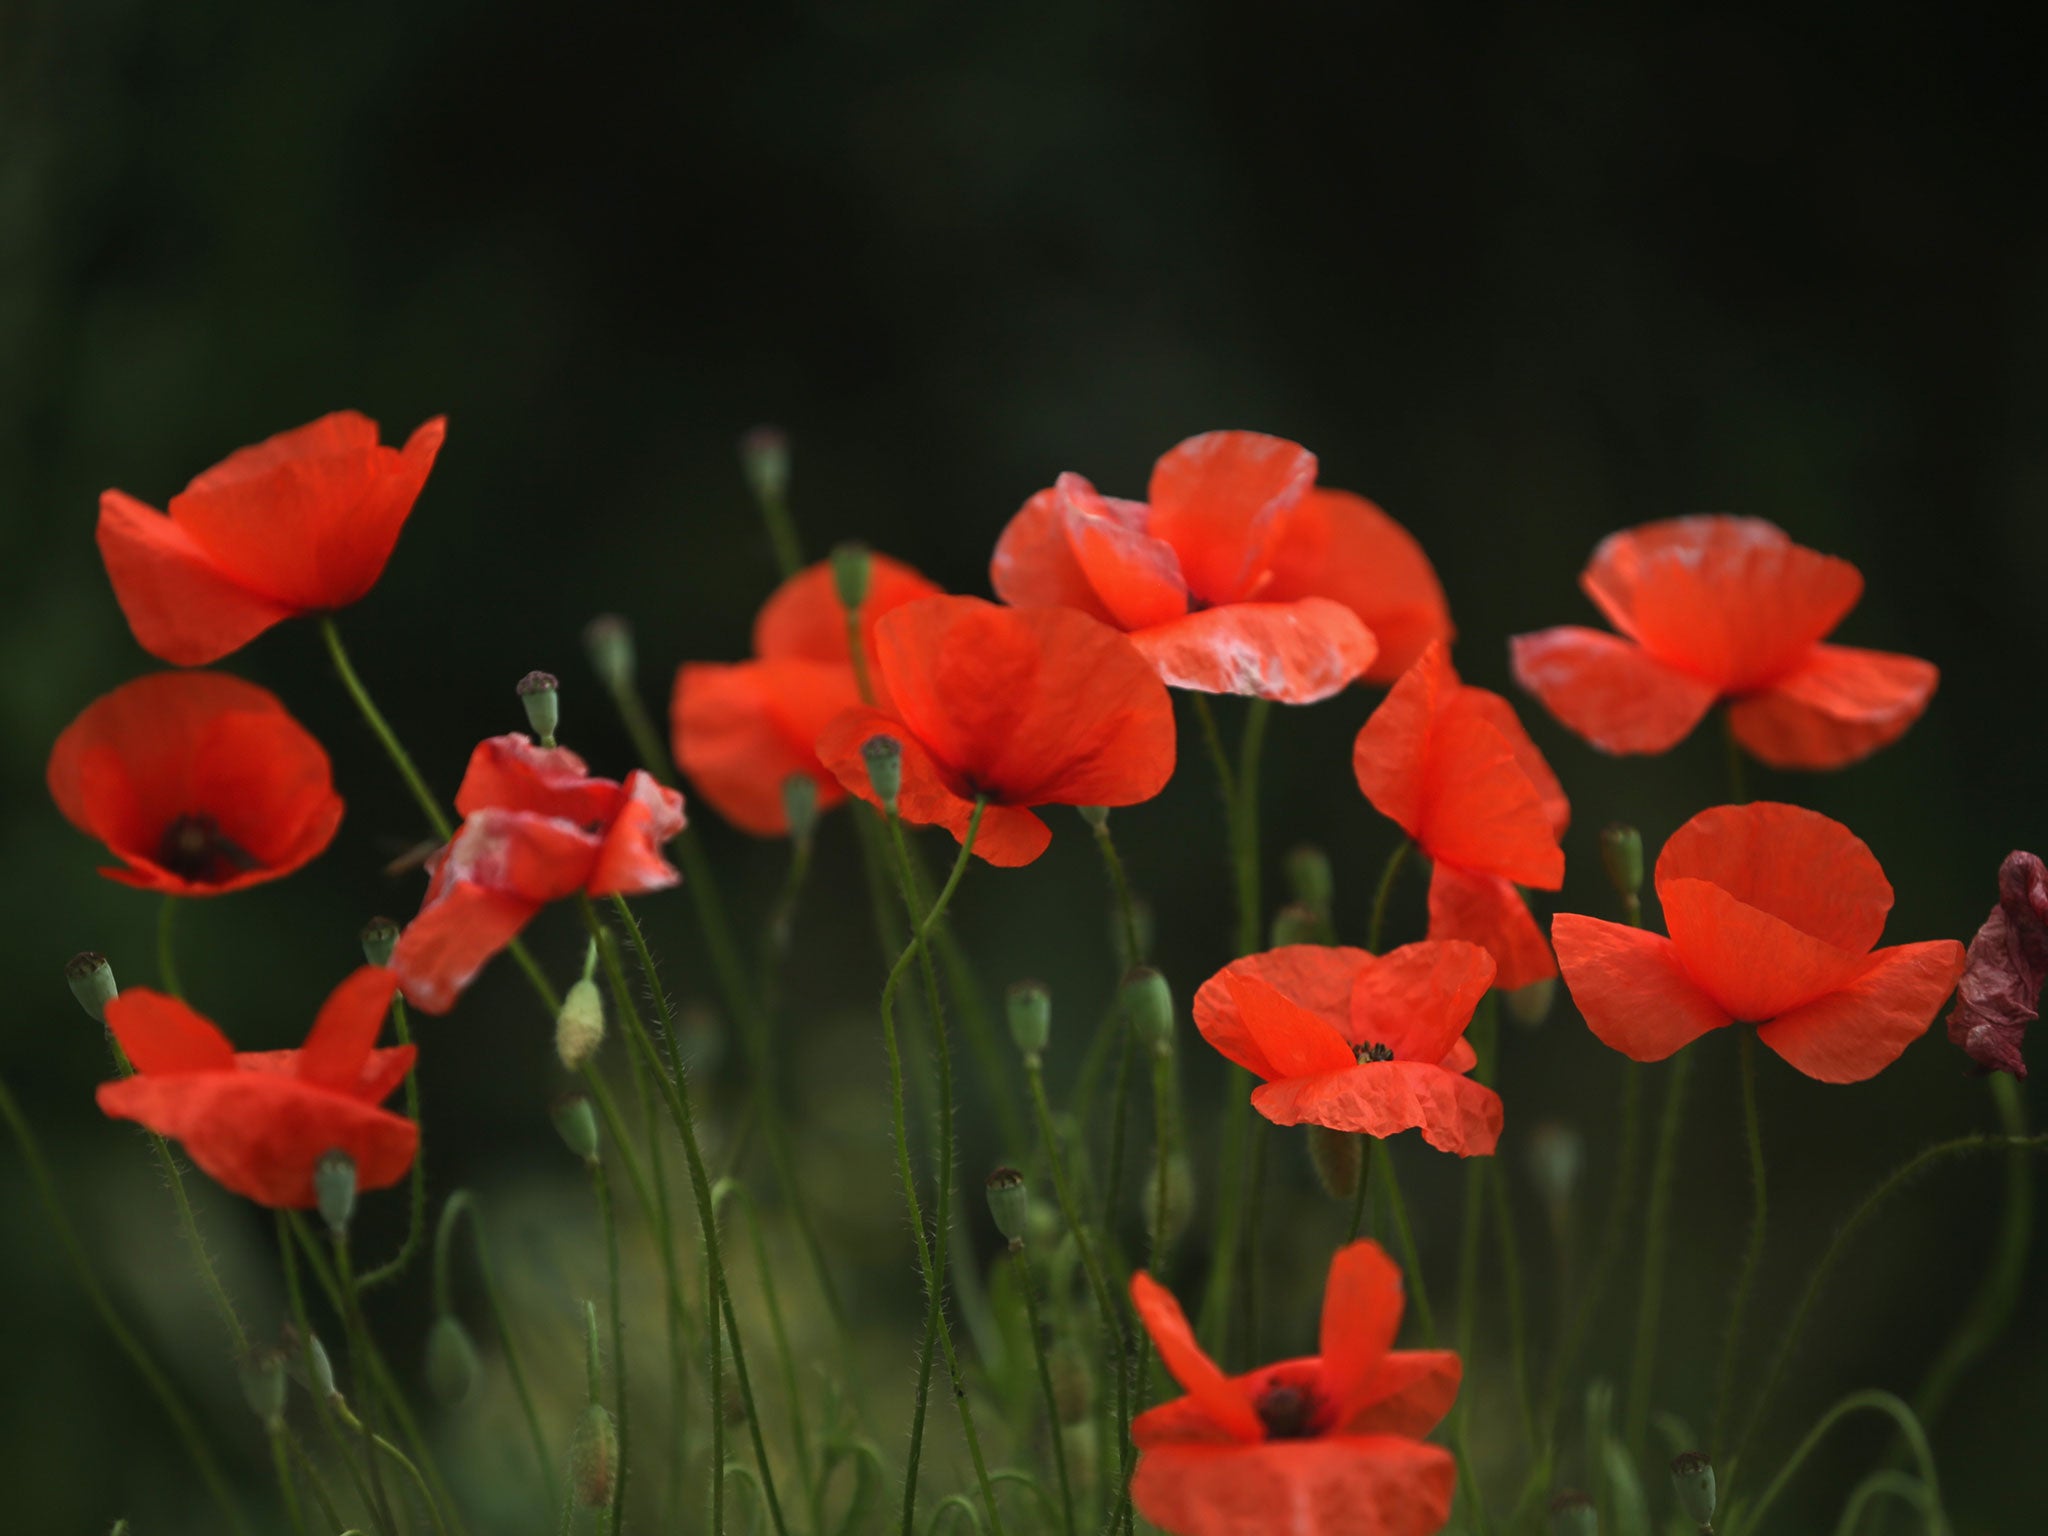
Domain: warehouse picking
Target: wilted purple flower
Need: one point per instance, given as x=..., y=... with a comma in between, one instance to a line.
x=2000, y=993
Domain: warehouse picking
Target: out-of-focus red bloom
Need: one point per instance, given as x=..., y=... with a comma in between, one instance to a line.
x=1237, y=576
x=1772, y=912
x=1020, y=707
x=300, y=523
x=741, y=730
x=2000, y=991
x=535, y=828
x=1453, y=767
x=1722, y=608
x=198, y=782
x=1329, y=1445
x=1356, y=1043
x=258, y=1121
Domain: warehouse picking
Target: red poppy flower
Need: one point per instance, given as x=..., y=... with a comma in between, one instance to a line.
x=1772, y=912
x=1722, y=608
x=1021, y=707
x=1371, y=1045
x=1452, y=765
x=301, y=523
x=197, y=782
x=1324, y=1446
x=740, y=731
x=1238, y=576
x=535, y=828
x=258, y=1121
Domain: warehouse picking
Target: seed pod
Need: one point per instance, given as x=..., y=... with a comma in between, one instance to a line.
x=851, y=568
x=1621, y=854
x=608, y=642
x=764, y=460
x=263, y=1383
x=92, y=983
x=1148, y=1004
x=800, y=805
x=1009, y=1203
x=380, y=938
x=1573, y=1514
x=1692, y=1479
x=1030, y=1013
x=1310, y=879
x=334, y=1190
x=540, y=693
x=884, y=757
x=576, y=1123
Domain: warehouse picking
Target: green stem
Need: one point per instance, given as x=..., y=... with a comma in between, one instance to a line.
x=1482, y=1034
x=1126, y=908
x=416, y=1223
x=280, y=1459
x=1656, y=1220
x=405, y=1465
x=357, y=1332
x=615, y=1516
x=323, y=1404
x=1411, y=1256
x=182, y=1422
x=1752, y=1254
x=1020, y=1260
x=1162, y=1139
x=381, y=728
x=1381, y=892
x=1360, y=1197
x=328, y=1512
x=1120, y=1104
x=1875, y=1402
x=167, y=947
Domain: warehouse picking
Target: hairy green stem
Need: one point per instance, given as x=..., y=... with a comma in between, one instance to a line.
x=1857, y=1402
x=1020, y=1260
x=381, y=729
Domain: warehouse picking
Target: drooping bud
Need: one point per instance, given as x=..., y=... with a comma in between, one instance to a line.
x=851, y=569
x=594, y=1457
x=800, y=805
x=451, y=1360
x=334, y=1189
x=1030, y=1010
x=380, y=938
x=1180, y=1201
x=1097, y=817
x=1529, y=1006
x=92, y=983
x=608, y=642
x=1310, y=879
x=305, y=1358
x=263, y=1383
x=576, y=1123
x=1572, y=1514
x=579, y=1027
x=1339, y=1160
x=1148, y=1004
x=1692, y=1479
x=1009, y=1203
x=1621, y=855
x=1557, y=1154
x=1296, y=923
x=764, y=460
x=884, y=757
x=540, y=693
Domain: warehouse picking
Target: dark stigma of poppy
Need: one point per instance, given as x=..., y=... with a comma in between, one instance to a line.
x=193, y=848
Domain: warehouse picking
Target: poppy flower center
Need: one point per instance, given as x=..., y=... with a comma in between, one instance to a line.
x=195, y=849
x=1289, y=1412
x=1372, y=1050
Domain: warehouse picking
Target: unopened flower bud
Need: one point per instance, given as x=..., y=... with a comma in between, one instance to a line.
x=800, y=805
x=263, y=1383
x=305, y=1358
x=1180, y=1201
x=1572, y=1514
x=1529, y=1006
x=334, y=1190
x=1339, y=1160
x=92, y=983
x=1692, y=1479
x=884, y=757
x=851, y=568
x=579, y=1027
x=764, y=460
x=1097, y=816
x=1148, y=1004
x=576, y=1123
x=1309, y=878
x=594, y=1457
x=1557, y=1154
x=1009, y=1203
x=539, y=692
x=380, y=938
x=1296, y=923
x=451, y=1360
x=1621, y=854
x=608, y=642
x=1030, y=1008
x=1073, y=1382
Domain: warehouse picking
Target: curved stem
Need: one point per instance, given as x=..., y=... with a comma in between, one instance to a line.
x=416, y=1223
x=381, y=728
x=1020, y=1260
x=1875, y=1402
x=167, y=947
x=1752, y=1254
x=1411, y=1256
x=1376, y=929
x=405, y=1464
x=1650, y=1300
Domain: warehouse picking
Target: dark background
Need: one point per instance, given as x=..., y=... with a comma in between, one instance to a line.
x=1522, y=277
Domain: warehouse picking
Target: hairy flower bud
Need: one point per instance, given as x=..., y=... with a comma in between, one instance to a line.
x=305, y=1358
x=576, y=1123
x=334, y=1190
x=1573, y=1514
x=884, y=757
x=92, y=983
x=1339, y=1160
x=1009, y=1203
x=1692, y=1479
x=540, y=693
x=579, y=1027
x=1148, y=1004
x=594, y=1457
x=608, y=642
x=264, y=1383
x=764, y=460
x=1030, y=1010
x=451, y=1360
x=1529, y=1006
x=1296, y=923
x=380, y=938
x=851, y=569
x=1621, y=855
x=1310, y=879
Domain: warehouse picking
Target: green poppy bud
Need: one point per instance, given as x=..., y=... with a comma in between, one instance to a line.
x=884, y=757
x=800, y=805
x=1030, y=1010
x=576, y=1123
x=594, y=1457
x=1573, y=1514
x=1009, y=1203
x=1148, y=1004
x=579, y=1026
x=764, y=460
x=263, y=1383
x=1310, y=879
x=380, y=938
x=540, y=693
x=92, y=983
x=334, y=1190
x=608, y=642
x=1621, y=854
x=1529, y=1006
x=1556, y=1154
x=1180, y=1201
x=1296, y=923
x=1339, y=1160
x=307, y=1362
x=1692, y=1479
x=451, y=1360
x=851, y=569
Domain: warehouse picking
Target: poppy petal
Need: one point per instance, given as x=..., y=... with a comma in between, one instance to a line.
x=1609, y=690
x=741, y=732
x=1391, y=755
x=1362, y=1302
x=1754, y=965
x=1178, y=1421
x=629, y=860
x=1408, y=1393
x=1222, y=500
x=1185, y=1361
x=1345, y=1485
x=804, y=617
x=162, y=1035
x=442, y=949
x=1861, y=1028
x=1417, y=999
x=1136, y=576
x=181, y=606
x=1498, y=714
x=515, y=773
x=1295, y=1042
x=1612, y=576
x=1631, y=988
x=1492, y=913
x=1793, y=863
x=348, y=1025
x=1035, y=564
x=1384, y=1098
x=1840, y=706
x=1294, y=653
x=1341, y=546
x=1316, y=977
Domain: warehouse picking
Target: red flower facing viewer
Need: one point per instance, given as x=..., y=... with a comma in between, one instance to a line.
x=1722, y=608
x=1772, y=912
x=300, y=523
x=1237, y=576
x=740, y=731
x=535, y=829
x=198, y=782
x=1351, y=1042
x=259, y=1121
x=1325, y=1446
x=1021, y=706
x=1453, y=767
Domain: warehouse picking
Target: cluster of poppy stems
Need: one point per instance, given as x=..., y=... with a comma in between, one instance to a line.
x=1237, y=574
